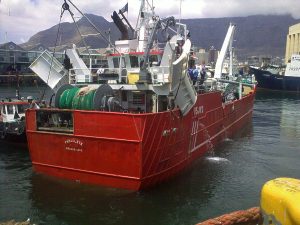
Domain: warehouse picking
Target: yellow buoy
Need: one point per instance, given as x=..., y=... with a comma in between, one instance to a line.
x=280, y=202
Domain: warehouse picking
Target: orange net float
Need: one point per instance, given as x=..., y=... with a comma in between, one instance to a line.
x=250, y=216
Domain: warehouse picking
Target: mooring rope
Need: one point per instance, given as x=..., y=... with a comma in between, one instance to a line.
x=250, y=216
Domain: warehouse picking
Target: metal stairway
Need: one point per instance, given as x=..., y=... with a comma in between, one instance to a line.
x=83, y=74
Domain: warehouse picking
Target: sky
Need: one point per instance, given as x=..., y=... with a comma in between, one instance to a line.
x=20, y=19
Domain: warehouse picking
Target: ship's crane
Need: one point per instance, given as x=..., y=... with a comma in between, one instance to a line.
x=227, y=45
x=170, y=21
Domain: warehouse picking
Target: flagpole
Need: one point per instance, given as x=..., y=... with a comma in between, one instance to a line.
x=109, y=38
x=180, y=10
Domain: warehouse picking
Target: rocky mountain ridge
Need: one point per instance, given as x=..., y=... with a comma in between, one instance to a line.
x=255, y=35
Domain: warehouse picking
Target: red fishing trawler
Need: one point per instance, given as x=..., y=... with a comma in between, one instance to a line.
x=143, y=120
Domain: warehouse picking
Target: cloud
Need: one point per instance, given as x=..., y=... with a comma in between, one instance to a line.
x=230, y=8
x=23, y=18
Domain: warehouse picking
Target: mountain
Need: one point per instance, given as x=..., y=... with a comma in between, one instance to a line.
x=68, y=33
x=255, y=35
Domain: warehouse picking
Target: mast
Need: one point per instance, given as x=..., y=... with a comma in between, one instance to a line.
x=144, y=24
x=230, y=58
x=180, y=10
x=109, y=38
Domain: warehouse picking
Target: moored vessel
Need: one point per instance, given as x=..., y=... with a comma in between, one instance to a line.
x=143, y=120
x=12, y=118
x=289, y=80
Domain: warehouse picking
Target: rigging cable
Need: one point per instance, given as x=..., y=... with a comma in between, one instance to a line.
x=63, y=9
x=93, y=25
x=77, y=27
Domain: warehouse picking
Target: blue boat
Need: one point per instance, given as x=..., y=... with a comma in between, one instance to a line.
x=274, y=80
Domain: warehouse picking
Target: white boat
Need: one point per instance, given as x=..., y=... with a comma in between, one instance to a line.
x=12, y=118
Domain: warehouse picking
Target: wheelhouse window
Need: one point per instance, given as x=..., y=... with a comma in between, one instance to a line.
x=116, y=62
x=153, y=59
x=134, y=61
x=10, y=109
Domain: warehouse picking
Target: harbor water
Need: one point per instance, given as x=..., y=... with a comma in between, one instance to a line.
x=228, y=179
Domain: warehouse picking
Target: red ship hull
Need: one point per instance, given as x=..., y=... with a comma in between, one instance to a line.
x=135, y=151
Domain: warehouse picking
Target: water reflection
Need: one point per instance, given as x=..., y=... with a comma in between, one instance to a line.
x=181, y=200
x=284, y=108
x=63, y=202
x=290, y=120
x=276, y=95
x=15, y=174
x=217, y=159
x=59, y=201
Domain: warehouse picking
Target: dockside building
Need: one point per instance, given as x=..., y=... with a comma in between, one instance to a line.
x=292, y=42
